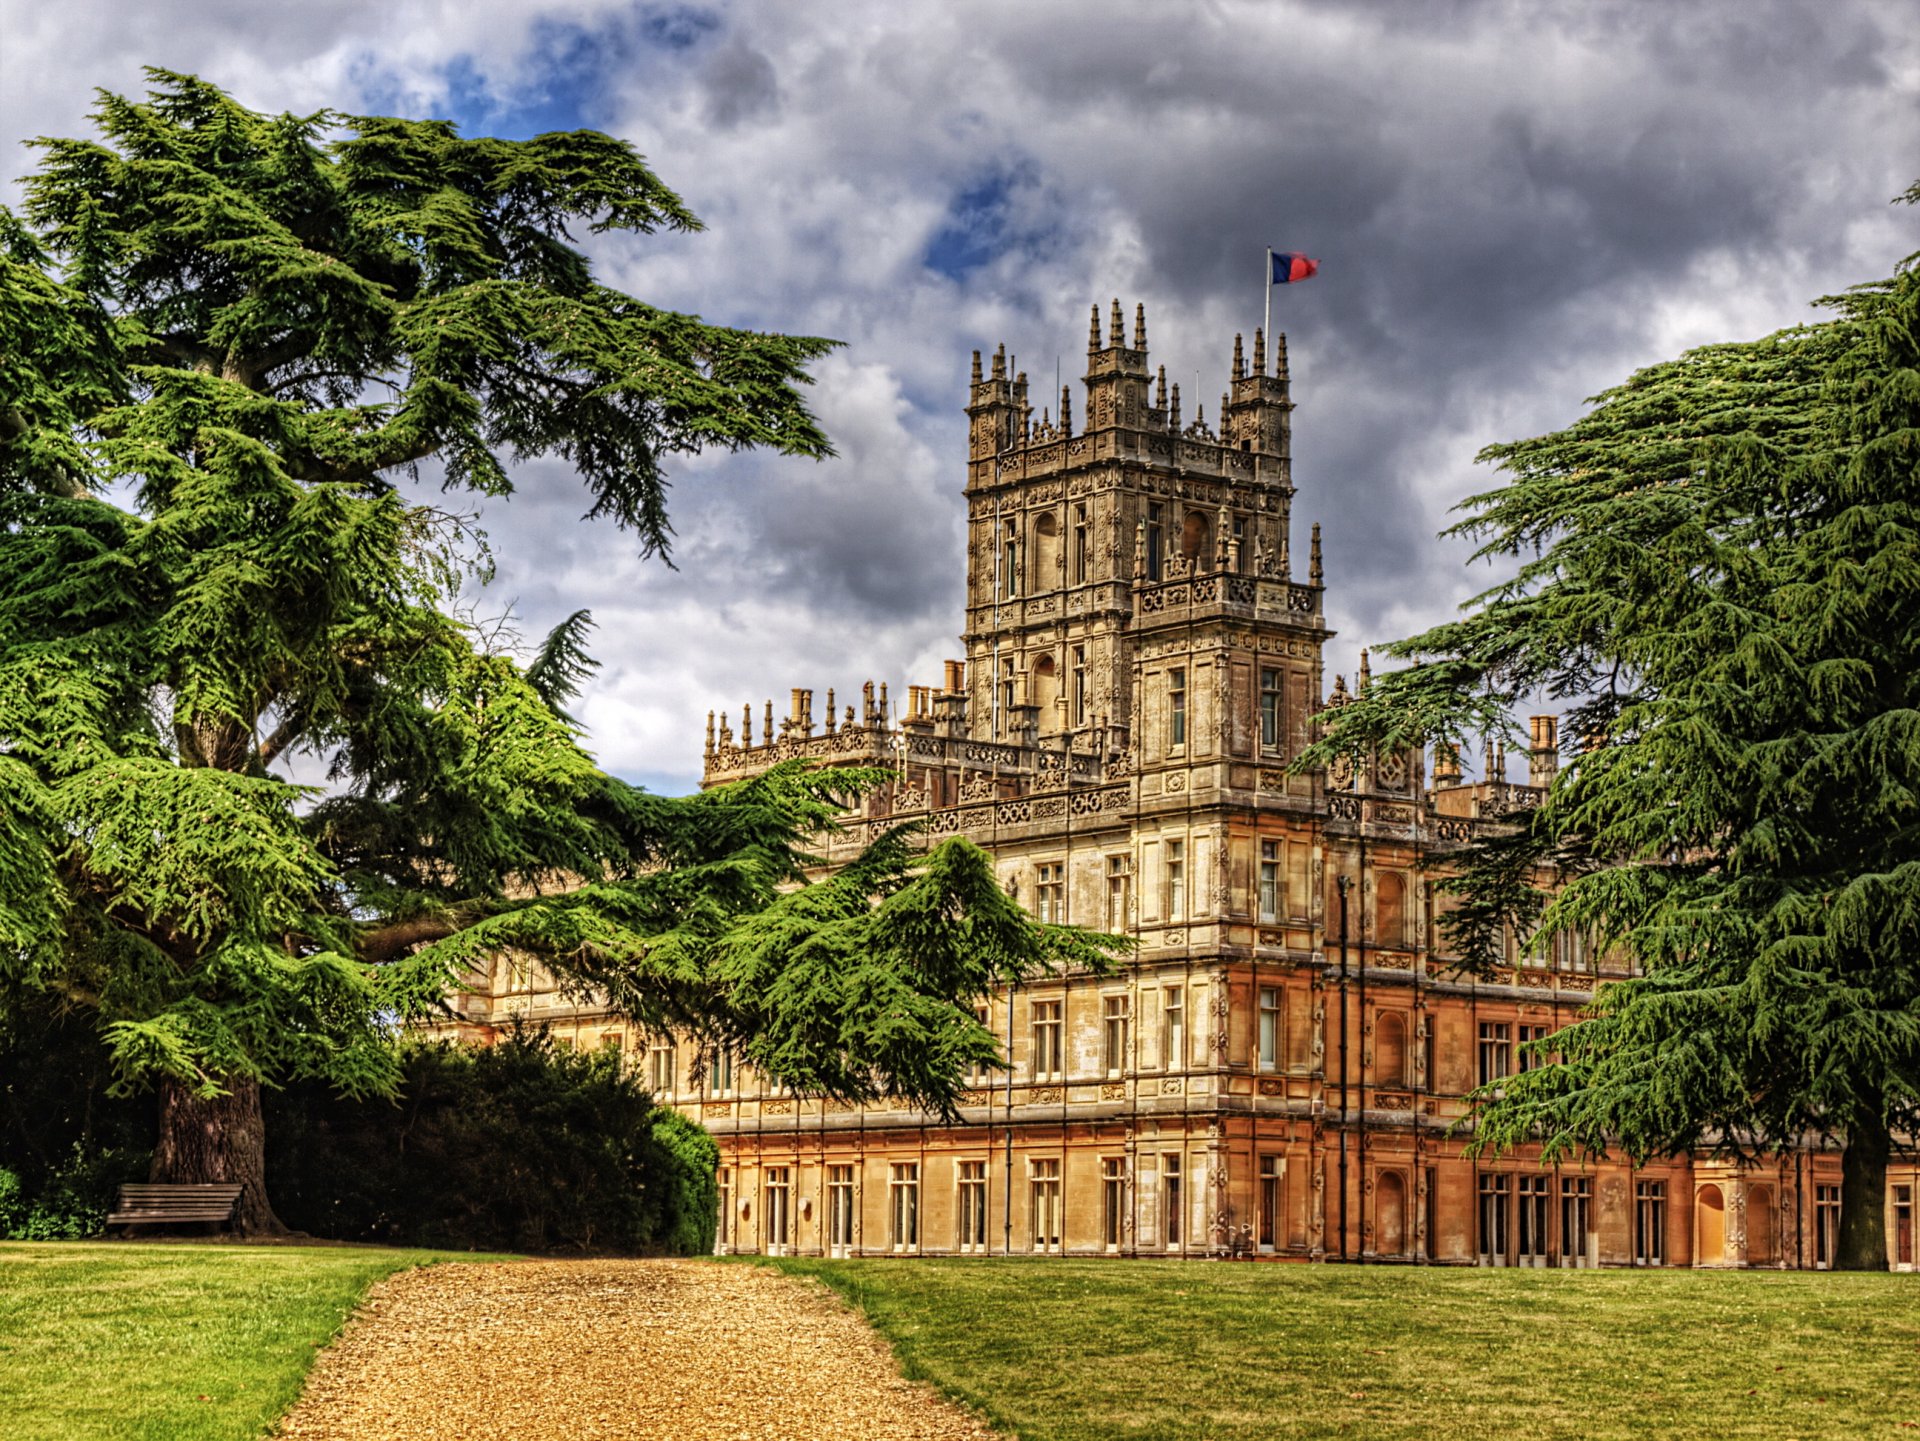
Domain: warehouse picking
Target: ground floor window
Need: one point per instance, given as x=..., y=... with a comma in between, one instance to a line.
x=1113, y=1200
x=903, y=1212
x=779, y=1185
x=840, y=1209
x=723, y=1224
x=1496, y=1193
x=1044, y=1181
x=972, y=1208
x=1172, y=1189
x=1576, y=1217
x=1534, y=1208
x=1826, y=1225
x=1649, y=1223
x=1902, y=1249
x=1269, y=1223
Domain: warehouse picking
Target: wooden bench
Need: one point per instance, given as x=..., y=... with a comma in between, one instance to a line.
x=174, y=1205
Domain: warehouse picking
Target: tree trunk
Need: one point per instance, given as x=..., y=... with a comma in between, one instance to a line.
x=223, y=1139
x=1863, y=1198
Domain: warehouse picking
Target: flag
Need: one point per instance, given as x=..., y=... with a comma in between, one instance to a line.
x=1289, y=268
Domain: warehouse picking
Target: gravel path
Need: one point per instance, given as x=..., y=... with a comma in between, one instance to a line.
x=586, y=1350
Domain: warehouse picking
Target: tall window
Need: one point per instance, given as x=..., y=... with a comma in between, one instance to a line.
x=1113, y=1200
x=840, y=1210
x=660, y=1065
x=1080, y=531
x=1650, y=1223
x=903, y=1209
x=1079, y=685
x=1270, y=709
x=1576, y=1217
x=1534, y=1211
x=1269, y=1226
x=1496, y=1051
x=1156, y=538
x=1173, y=1029
x=1826, y=1225
x=981, y=1072
x=1269, y=881
x=972, y=1210
x=1177, y=707
x=1902, y=1247
x=1176, y=897
x=1269, y=1028
x=1528, y=1060
x=720, y=1074
x=1243, y=553
x=1174, y=1193
x=1495, y=1194
x=779, y=1183
x=1010, y=561
x=1050, y=893
x=723, y=1224
x=1119, y=893
x=1049, y=1044
x=1006, y=692
x=1044, y=1182
x=1115, y=1011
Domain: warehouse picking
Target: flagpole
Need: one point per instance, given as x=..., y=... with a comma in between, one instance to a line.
x=1268, y=332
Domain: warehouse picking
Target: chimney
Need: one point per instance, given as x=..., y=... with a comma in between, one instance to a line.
x=1543, y=756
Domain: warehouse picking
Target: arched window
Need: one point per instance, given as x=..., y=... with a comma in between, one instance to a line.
x=1045, y=575
x=1709, y=1226
x=1389, y=909
x=1196, y=534
x=1390, y=1049
x=1390, y=1214
x=1043, y=689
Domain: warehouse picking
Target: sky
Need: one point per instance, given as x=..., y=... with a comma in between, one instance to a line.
x=1514, y=205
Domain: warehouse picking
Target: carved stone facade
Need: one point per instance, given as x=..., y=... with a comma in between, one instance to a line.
x=1275, y=1072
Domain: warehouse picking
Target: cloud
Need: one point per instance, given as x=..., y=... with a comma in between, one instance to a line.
x=1515, y=205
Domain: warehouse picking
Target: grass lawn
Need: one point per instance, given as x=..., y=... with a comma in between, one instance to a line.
x=156, y=1342
x=1132, y=1350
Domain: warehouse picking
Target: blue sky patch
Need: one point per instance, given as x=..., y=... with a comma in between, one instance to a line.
x=987, y=218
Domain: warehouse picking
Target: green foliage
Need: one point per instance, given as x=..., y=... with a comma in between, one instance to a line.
x=1718, y=570
x=523, y=1146
x=255, y=323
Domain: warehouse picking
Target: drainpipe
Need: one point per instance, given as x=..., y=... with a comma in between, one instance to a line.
x=1344, y=883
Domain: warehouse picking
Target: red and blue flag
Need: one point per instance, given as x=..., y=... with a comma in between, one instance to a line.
x=1289, y=268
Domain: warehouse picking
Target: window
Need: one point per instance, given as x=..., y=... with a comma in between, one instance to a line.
x=1113, y=1200
x=1156, y=538
x=1006, y=692
x=1176, y=897
x=980, y=1073
x=1177, y=707
x=1050, y=893
x=903, y=1209
x=1115, y=1011
x=1010, y=561
x=1079, y=685
x=1496, y=1051
x=1049, y=1048
x=1534, y=1210
x=1269, y=881
x=1270, y=710
x=1044, y=1182
x=1271, y=1170
x=1495, y=1191
x=720, y=1073
x=660, y=1065
x=1243, y=554
x=723, y=1224
x=1390, y=1048
x=1650, y=1223
x=1826, y=1225
x=1119, y=893
x=1172, y=1190
x=778, y=1185
x=972, y=1210
x=1080, y=531
x=839, y=1210
x=1902, y=1247
x=1269, y=1028
x=1576, y=1218
x=1173, y=1029
x=1529, y=1060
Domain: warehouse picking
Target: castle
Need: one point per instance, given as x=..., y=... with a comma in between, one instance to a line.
x=1275, y=1072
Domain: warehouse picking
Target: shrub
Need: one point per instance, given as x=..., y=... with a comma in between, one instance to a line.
x=518, y=1146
